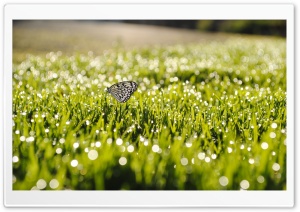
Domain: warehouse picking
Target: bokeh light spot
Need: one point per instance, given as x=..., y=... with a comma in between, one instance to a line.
x=223, y=181
x=58, y=151
x=93, y=154
x=15, y=159
x=184, y=161
x=41, y=184
x=119, y=141
x=251, y=161
x=54, y=183
x=245, y=184
x=276, y=167
x=98, y=144
x=130, y=148
x=155, y=148
x=264, y=145
x=201, y=155
x=272, y=135
x=260, y=179
x=122, y=161
x=74, y=163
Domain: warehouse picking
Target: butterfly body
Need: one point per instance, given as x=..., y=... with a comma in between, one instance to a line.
x=122, y=91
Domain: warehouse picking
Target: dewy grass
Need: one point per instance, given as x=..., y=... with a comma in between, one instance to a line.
x=205, y=117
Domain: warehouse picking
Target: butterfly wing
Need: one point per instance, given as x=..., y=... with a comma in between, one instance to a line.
x=122, y=91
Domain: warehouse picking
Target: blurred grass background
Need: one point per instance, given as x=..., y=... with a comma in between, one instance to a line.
x=209, y=113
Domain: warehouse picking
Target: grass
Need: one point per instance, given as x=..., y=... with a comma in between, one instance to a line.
x=209, y=116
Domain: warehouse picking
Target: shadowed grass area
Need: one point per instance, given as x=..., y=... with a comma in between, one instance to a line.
x=208, y=116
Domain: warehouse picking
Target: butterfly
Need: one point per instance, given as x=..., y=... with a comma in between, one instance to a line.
x=122, y=91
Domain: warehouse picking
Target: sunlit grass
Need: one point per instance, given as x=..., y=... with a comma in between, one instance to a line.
x=208, y=116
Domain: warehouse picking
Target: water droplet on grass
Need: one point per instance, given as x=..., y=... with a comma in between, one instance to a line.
x=15, y=159
x=155, y=148
x=276, y=167
x=122, y=161
x=272, y=135
x=245, y=184
x=119, y=141
x=29, y=139
x=201, y=155
x=130, y=148
x=53, y=183
x=264, y=145
x=62, y=140
x=274, y=125
x=74, y=163
x=188, y=144
x=75, y=145
x=260, y=179
x=58, y=151
x=184, y=161
x=93, y=154
x=223, y=181
x=41, y=184
x=98, y=144
x=109, y=140
x=207, y=159
x=251, y=161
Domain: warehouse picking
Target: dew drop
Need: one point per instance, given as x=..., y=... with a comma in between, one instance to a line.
x=251, y=161
x=93, y=154
x=41, y=184
x=244, y=184
x=15, y=159
x=274, y=125
x=30, y=139
x=260, y=179
x=62, y=140
x=155, y=148
x=58, y=151
x=109, y=140
x=98, y=144
x=54, y=183
x=75, y=145
x=207, y=159
x=119, y=141
x=272, y=135
x=223, y=181
x=74, y=163
x=264, y=145
x=130, y=148
x=184, y=161
x=276, y=167
x=122, y=161
x=201, y=155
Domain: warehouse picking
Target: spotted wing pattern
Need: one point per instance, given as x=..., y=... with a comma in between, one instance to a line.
x=122, y=91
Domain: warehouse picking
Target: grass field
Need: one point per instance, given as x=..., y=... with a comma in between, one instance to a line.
x=209, y=116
